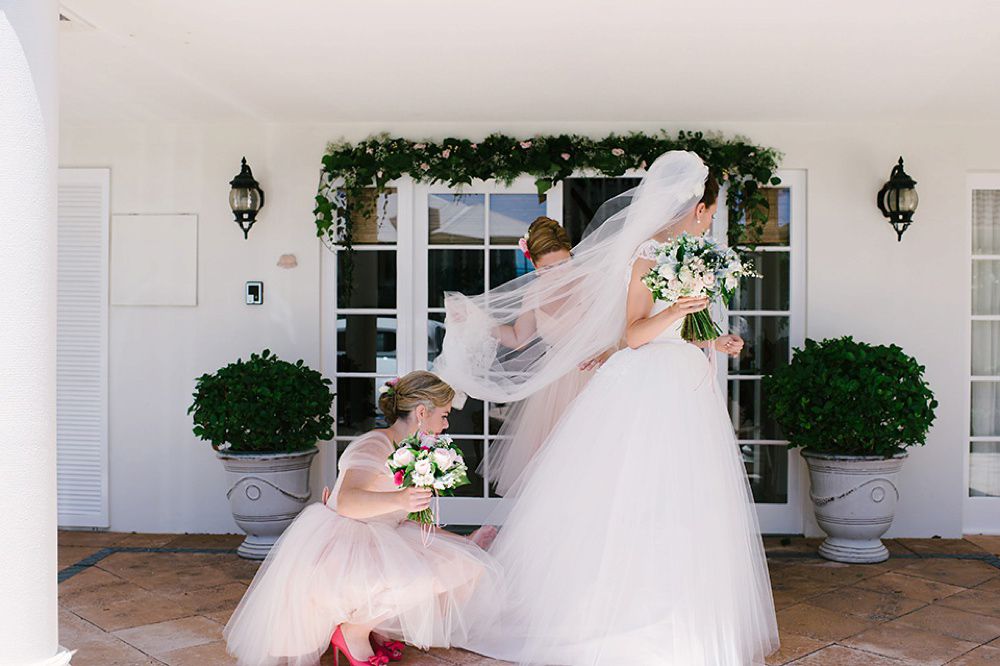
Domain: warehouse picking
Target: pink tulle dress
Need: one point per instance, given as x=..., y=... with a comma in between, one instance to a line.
x=327, y=569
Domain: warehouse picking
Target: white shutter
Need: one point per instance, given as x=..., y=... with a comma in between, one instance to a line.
x=82, y=348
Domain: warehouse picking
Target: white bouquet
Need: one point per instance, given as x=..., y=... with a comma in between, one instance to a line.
x=696, y=267
x=427, y=460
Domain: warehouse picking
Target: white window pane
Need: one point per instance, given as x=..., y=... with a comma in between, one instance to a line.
x=772, y=290
x=457, y=218
x=984, y=469
x=986, y=222
x=986, y=348
x=986, y=287
x=511, y=215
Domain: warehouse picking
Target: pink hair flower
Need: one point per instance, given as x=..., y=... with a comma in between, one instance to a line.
x=392, y=382
x=523, y=244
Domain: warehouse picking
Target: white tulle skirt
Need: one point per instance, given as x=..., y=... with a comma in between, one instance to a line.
x=327, y=569
x=632, y=537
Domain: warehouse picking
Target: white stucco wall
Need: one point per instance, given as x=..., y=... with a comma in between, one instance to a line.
x=861, y=281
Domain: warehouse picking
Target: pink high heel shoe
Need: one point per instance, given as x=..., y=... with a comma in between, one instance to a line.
x=340, y=645
x=391, y=649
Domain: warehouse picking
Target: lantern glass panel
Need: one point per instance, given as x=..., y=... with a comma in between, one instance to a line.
x=907, y=200
x=244, y=199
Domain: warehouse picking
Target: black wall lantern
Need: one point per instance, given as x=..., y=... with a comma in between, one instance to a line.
x=898, y=199
x=246, y=198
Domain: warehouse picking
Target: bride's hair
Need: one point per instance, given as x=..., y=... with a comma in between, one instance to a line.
x=546, y=235
x=416, y=388
x=711, y=191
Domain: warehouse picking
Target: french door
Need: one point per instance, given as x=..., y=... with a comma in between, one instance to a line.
x=428, y=239
x=981, y=511
x=769, y=314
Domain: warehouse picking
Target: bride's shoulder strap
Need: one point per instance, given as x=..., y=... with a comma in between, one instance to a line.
x=645, y=251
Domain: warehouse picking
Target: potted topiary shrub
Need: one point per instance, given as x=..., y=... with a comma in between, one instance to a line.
x=854, y=408
x=263, y=417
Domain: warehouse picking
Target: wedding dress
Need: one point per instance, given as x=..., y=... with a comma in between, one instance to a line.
x=632, y=537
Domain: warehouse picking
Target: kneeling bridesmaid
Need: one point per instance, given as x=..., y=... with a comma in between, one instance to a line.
x=354, y=571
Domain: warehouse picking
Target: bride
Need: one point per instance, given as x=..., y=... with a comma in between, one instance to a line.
x=631, y=537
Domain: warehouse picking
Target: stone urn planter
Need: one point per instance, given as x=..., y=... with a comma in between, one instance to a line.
x=855, y=408
x=263, y=417
x=266, y=492
x=854, y=499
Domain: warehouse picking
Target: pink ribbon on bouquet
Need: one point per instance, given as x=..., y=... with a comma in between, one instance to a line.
x=427, y=530
x=713, y=366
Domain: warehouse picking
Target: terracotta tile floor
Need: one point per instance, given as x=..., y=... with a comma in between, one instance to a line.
x=131, y=599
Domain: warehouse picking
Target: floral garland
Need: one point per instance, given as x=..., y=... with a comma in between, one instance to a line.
x=349, y=169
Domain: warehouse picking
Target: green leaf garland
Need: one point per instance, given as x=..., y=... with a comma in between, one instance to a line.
x=348, y=169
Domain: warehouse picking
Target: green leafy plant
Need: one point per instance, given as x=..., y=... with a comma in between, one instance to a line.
x=348, y=169
x=848, y=397
x=264, y=405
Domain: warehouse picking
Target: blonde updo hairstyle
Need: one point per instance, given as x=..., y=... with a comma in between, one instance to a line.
x=411, y=390
x=546, y=235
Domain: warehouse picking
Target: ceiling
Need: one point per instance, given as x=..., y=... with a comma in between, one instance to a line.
x=388, y=61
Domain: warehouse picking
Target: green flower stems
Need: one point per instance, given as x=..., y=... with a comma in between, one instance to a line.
x=698, y=326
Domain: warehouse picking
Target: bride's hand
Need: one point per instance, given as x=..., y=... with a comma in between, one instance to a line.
x=688, y=305
x=729, y=344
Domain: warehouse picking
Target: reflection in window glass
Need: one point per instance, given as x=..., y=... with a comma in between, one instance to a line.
x=497, y=415
x=985, y=342
x=985, y=409
x=583, y=197
x=748, y=410
x=767, y=344
x=511, y=215
x=984, y=469
x=505, y=265
x=374, y=280
x=435, y=337
x=468, y=420
x=986, y=222
x=771, y=290
x=985, y=287
x=777, y=229
x=457, y=218
x=366, y=343
x=767, y=470
x=357, y=409
x=472, y=453
x=375, y=219
x=453, y=270
x=491, y=444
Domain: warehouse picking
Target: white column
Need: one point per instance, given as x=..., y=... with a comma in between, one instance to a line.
x=29, y=626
